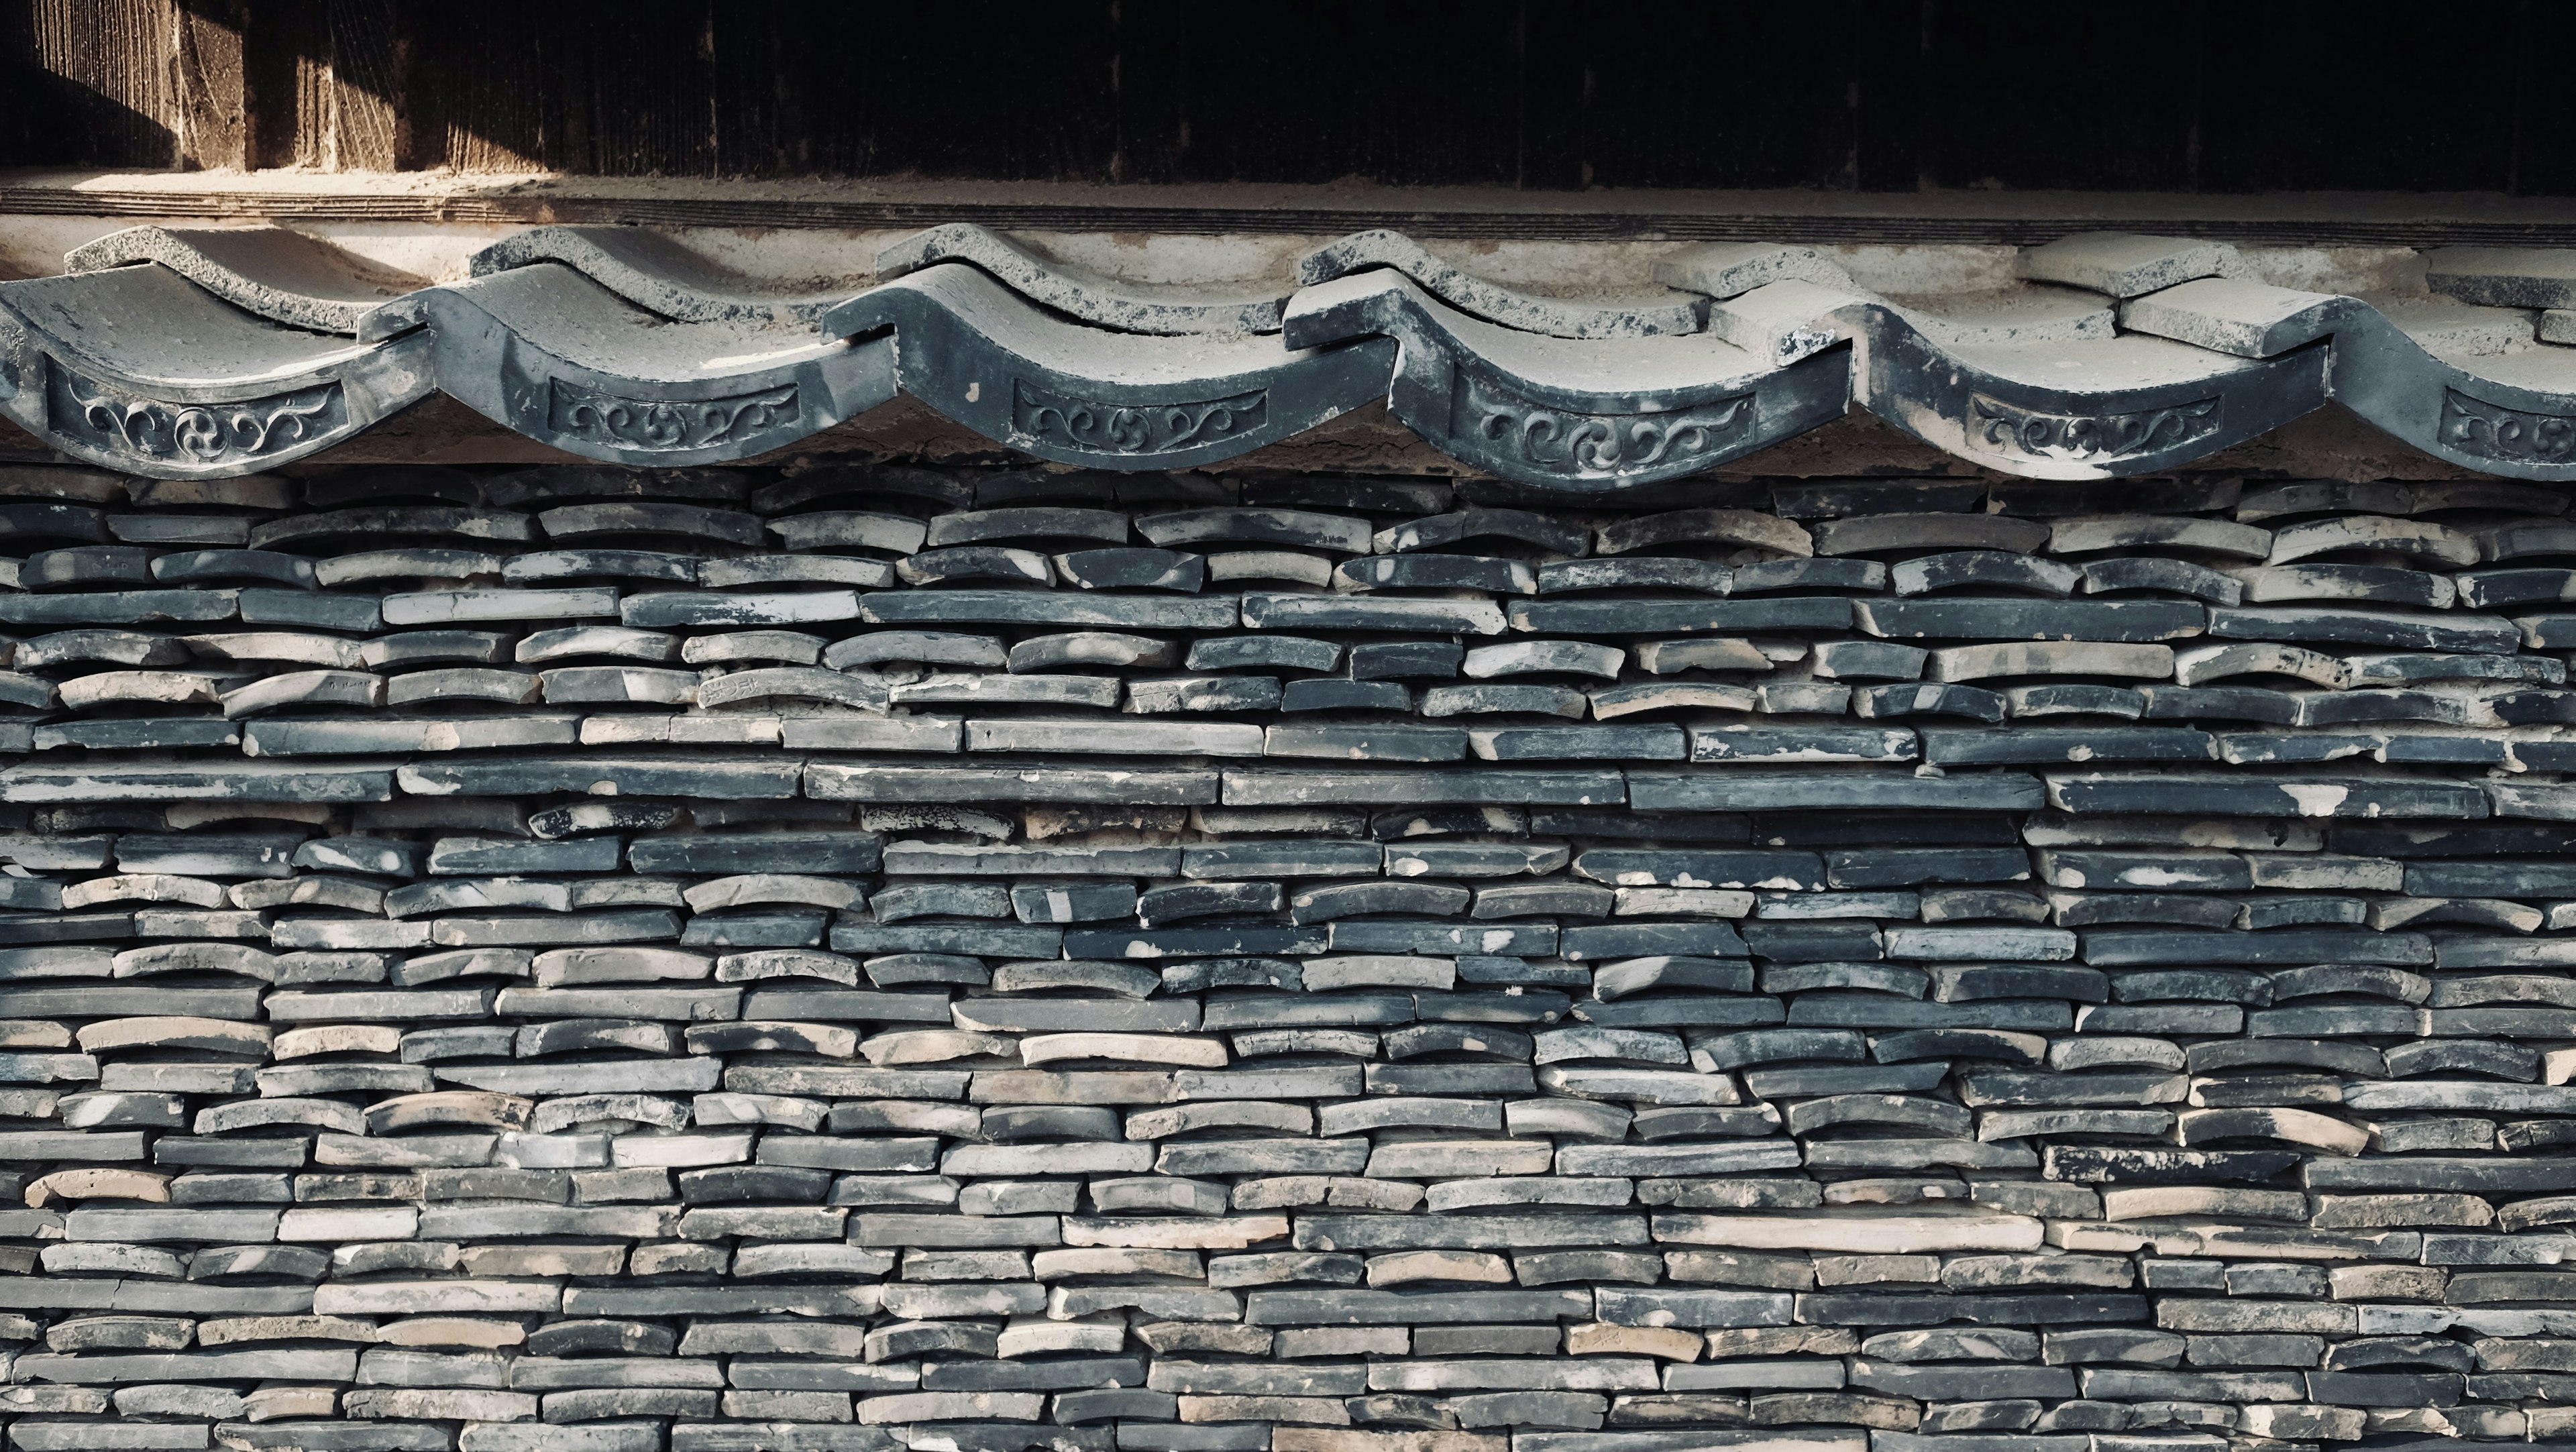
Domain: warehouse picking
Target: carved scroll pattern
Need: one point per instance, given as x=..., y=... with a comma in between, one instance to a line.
x=1998, y=427
x=664, y=425
x=116, y=421
x=1134, y=429
x=2493, y=431
x=1575, y=444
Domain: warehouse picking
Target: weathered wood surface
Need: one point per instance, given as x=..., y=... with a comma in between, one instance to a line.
x=1874, y=95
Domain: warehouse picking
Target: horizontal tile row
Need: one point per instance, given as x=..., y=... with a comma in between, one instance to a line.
x=198, y=352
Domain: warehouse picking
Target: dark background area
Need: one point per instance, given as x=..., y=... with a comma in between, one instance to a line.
x=1542, y=95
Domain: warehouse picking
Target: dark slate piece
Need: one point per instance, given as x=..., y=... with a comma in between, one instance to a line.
x=273, y=272
x=2035, y=746
x=1647, y=314
x=1969, y=569
x=1636, y=572
x=2009, y=619
x=1080, y=293
x=1837, y=498
x=1775, y=790
x=1442, y=531
x=1132, y=569
x=606, y=776
x=1683, y=616
x=2313, y=797
x=2387, y=629
x=2175, y=577
x=654, y=272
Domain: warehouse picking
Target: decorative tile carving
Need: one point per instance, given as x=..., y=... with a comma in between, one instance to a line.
x=248, y=432
x=2493, y=431
x=1140, y=429
x=981, y=355
x=2126, y=355
x=2001, y=427
x=661, y=423
x=1569, y=444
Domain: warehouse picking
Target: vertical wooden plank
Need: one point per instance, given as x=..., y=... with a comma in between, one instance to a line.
x=23, y=87
x=758, y=58
x=647, y=89
x=365, y=88
x=473, y=105
x=2105, y=105
x=1321, y=107
x=1035, y=102
x=2543, y=163
x=1558, y=50
x=2391, y=109
x=1890, y=120
x=316, y=107
x=1294, y=116
x=1147, y=61
x=106, y=94
x=1456, y=123
x=208, y=86
x=279, y=39
x=1781, y=121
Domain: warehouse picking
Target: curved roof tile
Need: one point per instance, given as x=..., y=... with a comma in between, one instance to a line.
x=985, y=357
x=1084, y=295
x=137, y=368
x=180, y=352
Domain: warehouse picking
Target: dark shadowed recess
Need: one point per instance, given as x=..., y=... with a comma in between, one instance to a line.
x=1544, y=95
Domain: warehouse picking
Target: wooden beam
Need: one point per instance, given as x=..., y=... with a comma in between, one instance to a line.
x=1989, y=219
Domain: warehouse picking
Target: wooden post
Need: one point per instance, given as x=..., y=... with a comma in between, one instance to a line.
x=209, y=96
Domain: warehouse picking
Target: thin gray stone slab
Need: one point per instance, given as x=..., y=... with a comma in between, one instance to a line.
x=277, y=273
x=655, y=273
x=247, y=781
x=1078, y=292
x=1730, y=269
x=1641, y=316
x=2504, y=277
x=1026, y=607
x=1741, y=790
x=2238, y=316
x=2123, y=264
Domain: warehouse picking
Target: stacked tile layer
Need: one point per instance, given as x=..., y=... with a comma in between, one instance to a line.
x=880, y=959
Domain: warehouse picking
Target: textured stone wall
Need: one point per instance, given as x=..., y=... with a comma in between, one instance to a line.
x=980, y=962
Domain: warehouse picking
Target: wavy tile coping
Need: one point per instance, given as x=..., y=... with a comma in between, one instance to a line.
x=139, y=369
x=546, y=351
x=224, y=352
x=983, y=356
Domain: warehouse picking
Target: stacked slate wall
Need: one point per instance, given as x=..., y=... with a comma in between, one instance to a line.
x=978, y=961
